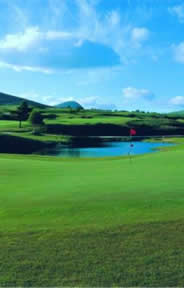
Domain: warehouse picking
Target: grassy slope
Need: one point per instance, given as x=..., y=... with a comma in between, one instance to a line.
x=92, y=222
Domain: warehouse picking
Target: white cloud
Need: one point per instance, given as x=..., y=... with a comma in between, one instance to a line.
x=114, y=18
x=54, y=35
x=94, y=28
x=140, y=34
x=21, y=41
x=110, y=29
x=178, y=11
x=30, y=37
x=178, y=100
x=179, y=52
x=131, y=93
x=20, y=68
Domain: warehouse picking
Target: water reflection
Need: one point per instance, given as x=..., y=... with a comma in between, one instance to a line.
x=111, y=149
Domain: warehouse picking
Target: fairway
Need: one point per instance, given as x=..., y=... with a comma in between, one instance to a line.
x=98, y=222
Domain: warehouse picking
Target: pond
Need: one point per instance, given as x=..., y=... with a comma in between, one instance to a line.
x=110, y=149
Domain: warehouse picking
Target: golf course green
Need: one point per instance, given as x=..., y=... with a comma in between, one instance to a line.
x=92, y=222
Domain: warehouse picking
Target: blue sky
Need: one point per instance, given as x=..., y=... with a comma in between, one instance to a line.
x=110, y=54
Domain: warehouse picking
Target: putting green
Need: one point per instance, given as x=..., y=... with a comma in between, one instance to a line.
x=47, y=193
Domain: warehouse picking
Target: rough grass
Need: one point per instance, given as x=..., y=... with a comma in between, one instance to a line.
x=105, y=222
x=149, y=255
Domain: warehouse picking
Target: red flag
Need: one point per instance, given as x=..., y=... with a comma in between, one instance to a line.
x=132, y=132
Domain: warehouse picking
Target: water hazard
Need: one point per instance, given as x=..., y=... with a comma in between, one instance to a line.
x=109, y=149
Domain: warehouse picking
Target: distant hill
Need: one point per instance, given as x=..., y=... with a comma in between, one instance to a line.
x=70, y=104
x=177, y=113
x=6, y=99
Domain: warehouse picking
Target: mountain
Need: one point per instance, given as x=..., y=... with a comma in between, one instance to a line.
x=70, y=104
x=6, y=99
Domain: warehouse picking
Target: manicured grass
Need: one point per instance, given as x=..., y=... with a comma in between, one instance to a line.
x=65, y=121
x=43, y=137
x=81, y=194
x=178, y=141
x=99, y=222
x=77, y=120
x=7, y=125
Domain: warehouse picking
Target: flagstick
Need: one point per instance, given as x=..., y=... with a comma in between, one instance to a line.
x=130, y=149
x=132, y=132
x=130, y=157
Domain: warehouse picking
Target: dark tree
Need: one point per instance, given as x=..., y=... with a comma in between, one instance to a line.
x=22, y=112
x=36, y=118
